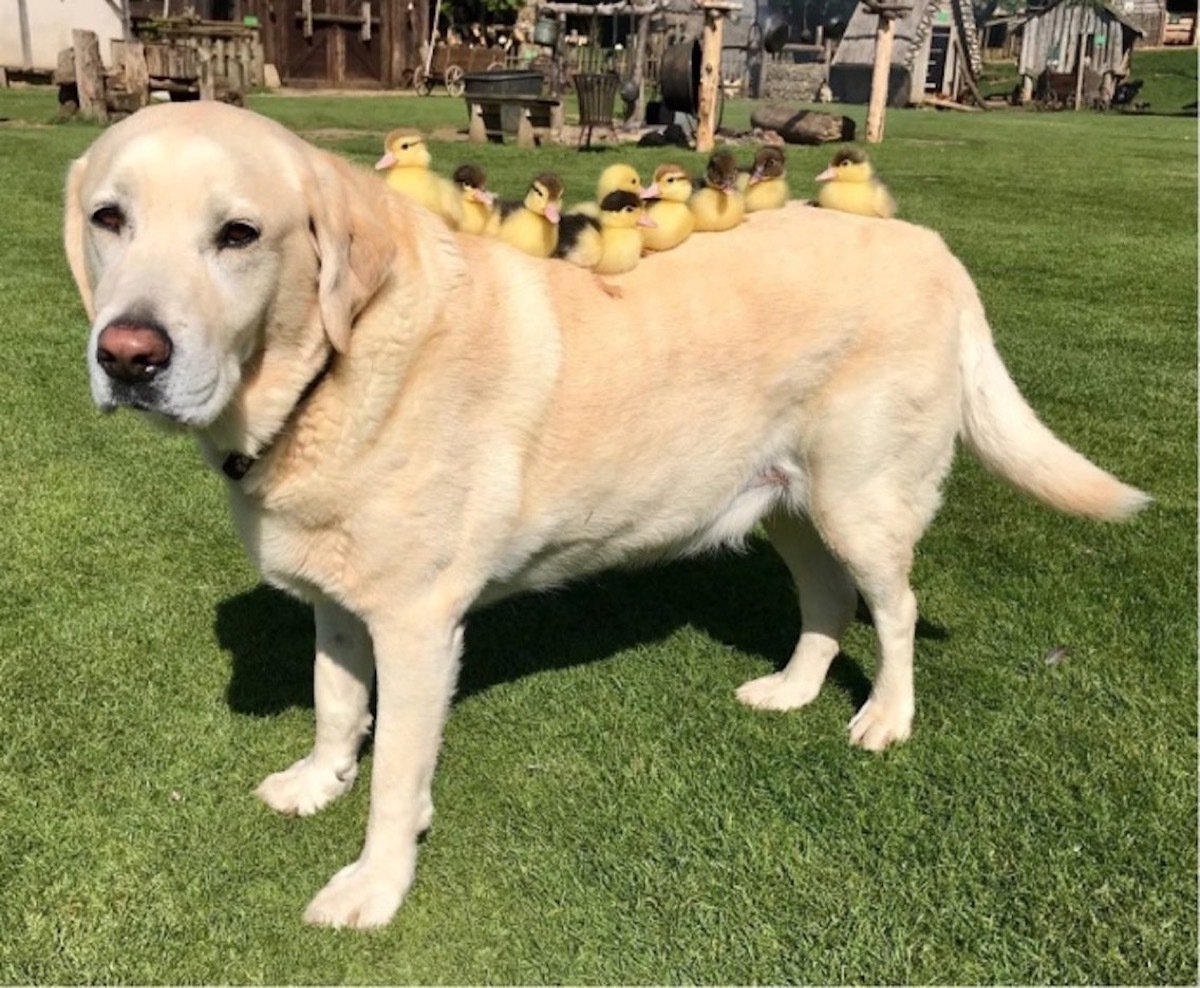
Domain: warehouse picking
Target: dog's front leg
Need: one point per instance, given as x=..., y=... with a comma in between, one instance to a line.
x=417, y=655
x=342, y=674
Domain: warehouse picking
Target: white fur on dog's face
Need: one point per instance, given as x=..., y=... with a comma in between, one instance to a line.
x=177, y=232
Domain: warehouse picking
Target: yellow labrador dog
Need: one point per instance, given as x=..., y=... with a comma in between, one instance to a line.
x=414, y=422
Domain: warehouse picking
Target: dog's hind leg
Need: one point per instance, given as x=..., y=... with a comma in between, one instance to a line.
x=827, y=600
x=874, y=531
x=342, y=674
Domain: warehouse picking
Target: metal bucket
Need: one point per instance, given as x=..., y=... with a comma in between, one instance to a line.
x=545, y=31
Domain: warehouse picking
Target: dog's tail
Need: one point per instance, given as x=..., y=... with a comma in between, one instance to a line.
x=1003, y=431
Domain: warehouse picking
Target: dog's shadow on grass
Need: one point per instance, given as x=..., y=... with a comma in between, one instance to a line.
x=745, y=601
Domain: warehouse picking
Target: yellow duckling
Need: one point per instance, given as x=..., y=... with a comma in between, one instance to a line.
x=611, y=244
x=766, y=187
x=533, y=226
x=719, y=206
x=478, y=205
x=852, y=187
x=614, y=178
x=406, y=160
x=670, y=212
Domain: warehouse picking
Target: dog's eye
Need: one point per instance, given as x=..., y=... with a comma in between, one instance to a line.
x=236, y=234
x=109, y=218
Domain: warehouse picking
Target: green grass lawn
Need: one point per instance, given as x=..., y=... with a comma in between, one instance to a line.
x=607, y=813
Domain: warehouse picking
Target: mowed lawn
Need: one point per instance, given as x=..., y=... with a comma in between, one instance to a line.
x=606, y=811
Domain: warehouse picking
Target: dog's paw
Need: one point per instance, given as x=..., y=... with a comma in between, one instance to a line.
x=778, y=692
x=306, y=787
x=360, y=897
x=877, y=725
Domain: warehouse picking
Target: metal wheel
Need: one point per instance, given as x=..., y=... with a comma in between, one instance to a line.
x=421, y=82
x=455, y=85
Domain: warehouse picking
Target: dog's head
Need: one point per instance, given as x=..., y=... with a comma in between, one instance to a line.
x=199, y=235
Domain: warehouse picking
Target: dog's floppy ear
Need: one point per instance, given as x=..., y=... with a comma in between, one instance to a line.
x=74, y=224
x=354, y=245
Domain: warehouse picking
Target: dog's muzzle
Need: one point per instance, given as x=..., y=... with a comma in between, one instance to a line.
x=133, y=355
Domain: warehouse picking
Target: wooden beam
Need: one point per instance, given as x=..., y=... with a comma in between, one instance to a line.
x=885, y=32
x=602, y=9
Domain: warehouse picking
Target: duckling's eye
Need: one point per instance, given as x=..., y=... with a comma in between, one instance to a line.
x=109, y=218
x=236, y=234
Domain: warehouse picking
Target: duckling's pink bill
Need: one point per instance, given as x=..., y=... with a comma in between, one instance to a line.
x=552, y=214
x=826, y=176
x=387, y=161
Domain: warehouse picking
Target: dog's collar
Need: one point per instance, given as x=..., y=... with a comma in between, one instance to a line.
x=237, y=465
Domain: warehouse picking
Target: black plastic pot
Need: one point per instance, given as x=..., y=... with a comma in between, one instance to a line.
x=503, y=82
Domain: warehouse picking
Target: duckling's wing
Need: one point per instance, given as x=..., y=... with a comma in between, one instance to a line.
x=579, y=239
x=885, y=205
x=591, y=209
x=506, y=207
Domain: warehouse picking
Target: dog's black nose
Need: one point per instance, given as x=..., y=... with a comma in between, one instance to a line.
x=132, y=353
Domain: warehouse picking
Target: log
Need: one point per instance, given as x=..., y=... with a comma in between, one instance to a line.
x=802, y=126
x=64, y=72
x=129, y=59
x=89, y=75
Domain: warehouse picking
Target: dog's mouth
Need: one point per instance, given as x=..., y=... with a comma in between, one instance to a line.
x=155, y=398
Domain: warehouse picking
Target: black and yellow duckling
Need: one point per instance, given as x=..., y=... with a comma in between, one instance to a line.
x=765, y=185
x=478, y=204
x=406, y=161
x=718, y=206
x=618, y=177
x=611, y=244
x=852, y=186
x=673, y=219
x=533, y=226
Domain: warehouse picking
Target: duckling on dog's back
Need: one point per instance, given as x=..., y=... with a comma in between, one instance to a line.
x=852, y=186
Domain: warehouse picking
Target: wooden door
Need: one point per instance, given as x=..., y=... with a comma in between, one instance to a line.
x=333, y=43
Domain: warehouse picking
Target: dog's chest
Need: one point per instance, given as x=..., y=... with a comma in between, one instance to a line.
x=293, y=553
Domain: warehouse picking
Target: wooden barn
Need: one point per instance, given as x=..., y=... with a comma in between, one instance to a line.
x=343, y=44
x=1074, y=52
x=935, y=54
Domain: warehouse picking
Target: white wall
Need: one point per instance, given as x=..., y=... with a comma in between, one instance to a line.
x=50, y=26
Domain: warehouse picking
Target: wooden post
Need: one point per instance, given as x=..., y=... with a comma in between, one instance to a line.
x=710, y=69
x=1079, y=74
x=89, y=75
x=881, y=73
x=26, y=37
x=639, y=70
